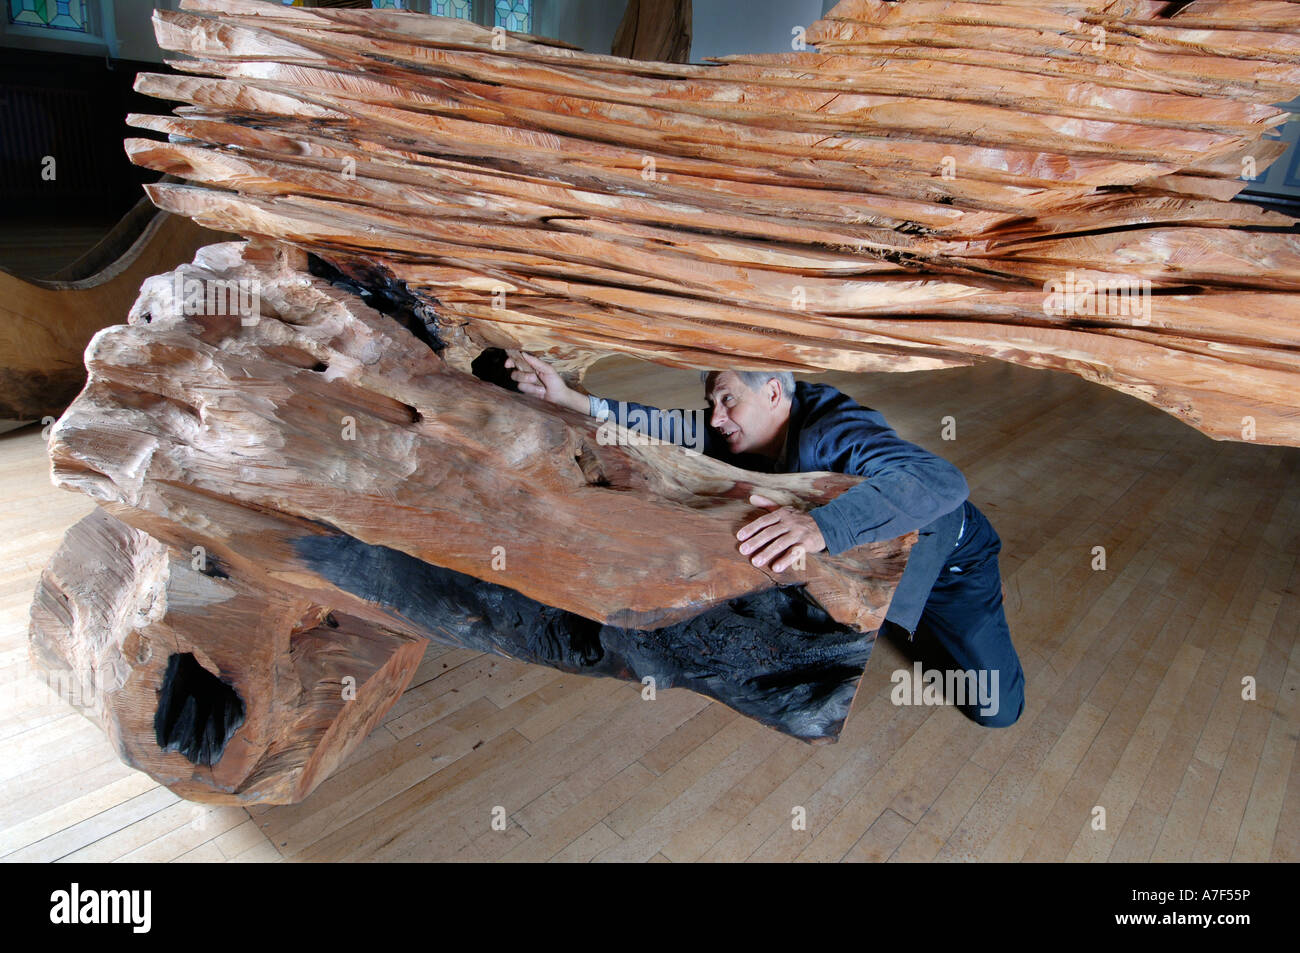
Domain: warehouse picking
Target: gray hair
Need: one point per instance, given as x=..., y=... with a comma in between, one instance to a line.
x=756, y=379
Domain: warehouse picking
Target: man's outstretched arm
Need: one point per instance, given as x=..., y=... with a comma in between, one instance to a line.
x=780, y=536
x=680, y=426
x=538, y=379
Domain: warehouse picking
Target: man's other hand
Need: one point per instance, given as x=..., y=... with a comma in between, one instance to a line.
x=534, y=376
x=782, y=530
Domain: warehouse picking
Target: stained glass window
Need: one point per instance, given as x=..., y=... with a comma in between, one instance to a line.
x=52, y=14
x=460, y=9
x=514, y=15
x=388, y=4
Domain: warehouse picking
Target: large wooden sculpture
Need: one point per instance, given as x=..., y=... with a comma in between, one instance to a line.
x=318, y=462
x=296, y=495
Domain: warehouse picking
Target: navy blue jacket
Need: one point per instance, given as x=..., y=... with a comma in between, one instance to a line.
x=905, y=487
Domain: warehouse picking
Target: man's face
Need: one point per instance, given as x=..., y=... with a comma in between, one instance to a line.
x=748, y=419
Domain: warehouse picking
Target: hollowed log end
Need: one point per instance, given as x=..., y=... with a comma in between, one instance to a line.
x=197, y=712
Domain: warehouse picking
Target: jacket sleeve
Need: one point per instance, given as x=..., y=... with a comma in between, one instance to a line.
x=906, y=486
x=678, y=425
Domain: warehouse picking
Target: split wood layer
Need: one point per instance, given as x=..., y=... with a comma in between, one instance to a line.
x=907, y=196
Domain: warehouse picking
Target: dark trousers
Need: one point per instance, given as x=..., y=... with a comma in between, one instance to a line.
x=964, y=626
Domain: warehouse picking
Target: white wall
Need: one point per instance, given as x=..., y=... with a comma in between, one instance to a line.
x=135, y=28
x=723, y=27
x=590, y=24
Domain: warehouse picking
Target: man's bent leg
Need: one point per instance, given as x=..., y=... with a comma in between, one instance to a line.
x=965, y=615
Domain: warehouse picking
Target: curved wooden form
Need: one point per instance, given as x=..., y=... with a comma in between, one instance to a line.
x=45, y=325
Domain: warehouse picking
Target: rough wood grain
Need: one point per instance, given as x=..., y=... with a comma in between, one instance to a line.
x=325, y=409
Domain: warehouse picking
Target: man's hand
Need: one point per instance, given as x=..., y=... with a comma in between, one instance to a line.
x=534, y=376
x=780, y=530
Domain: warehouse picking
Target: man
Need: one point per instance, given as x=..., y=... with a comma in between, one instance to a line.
x=951, y=590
